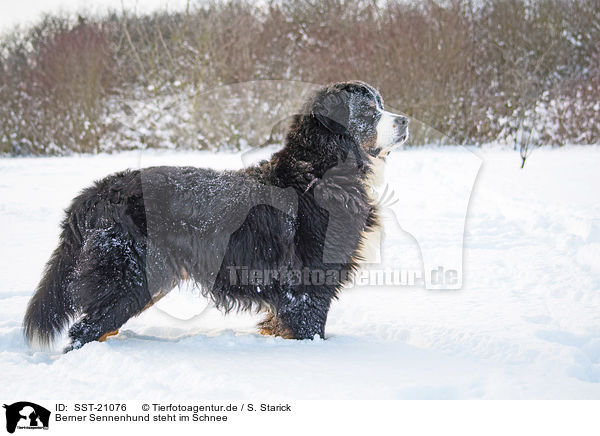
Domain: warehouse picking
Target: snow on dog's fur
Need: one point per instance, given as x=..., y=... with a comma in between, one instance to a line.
x=130, y=238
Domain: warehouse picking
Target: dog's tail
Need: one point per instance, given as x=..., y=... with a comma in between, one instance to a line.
x=51, y=307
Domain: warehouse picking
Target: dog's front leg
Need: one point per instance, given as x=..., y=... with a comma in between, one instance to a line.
x=302, y=315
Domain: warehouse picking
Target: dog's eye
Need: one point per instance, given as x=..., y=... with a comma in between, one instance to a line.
x=369, y=114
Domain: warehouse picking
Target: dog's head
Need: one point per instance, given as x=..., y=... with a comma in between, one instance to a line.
x=343, y=120
x=355, y=109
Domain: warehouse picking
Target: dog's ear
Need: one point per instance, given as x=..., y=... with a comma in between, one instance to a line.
x=332, y=111
x=331, y=124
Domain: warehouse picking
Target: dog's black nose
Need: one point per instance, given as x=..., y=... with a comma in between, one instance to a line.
x=401, y=121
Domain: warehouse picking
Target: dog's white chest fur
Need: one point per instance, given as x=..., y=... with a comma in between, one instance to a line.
x=369, y=250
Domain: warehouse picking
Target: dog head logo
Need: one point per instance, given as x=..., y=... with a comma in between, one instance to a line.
x=26, y=415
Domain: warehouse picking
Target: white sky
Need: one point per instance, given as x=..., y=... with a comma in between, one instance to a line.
x=25, y=12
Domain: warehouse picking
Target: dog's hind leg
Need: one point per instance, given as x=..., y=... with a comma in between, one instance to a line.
x=109, y=284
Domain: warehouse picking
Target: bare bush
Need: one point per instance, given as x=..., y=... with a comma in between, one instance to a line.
x=467, y=69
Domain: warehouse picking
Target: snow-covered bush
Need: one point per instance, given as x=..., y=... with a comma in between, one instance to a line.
x=468, y=72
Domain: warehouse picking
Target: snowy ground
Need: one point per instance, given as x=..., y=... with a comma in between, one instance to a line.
x=526, y=323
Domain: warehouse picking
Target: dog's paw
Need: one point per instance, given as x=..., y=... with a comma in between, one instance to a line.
x=272, y=326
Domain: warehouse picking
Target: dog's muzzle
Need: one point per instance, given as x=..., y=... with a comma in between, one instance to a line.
x=401, y=128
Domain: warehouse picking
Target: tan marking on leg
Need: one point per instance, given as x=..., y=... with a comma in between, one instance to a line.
x=184, y=274
x=154, y=300
x=104, y=337
x=272, y=326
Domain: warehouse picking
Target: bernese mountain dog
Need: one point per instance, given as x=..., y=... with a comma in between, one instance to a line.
x=281, y=237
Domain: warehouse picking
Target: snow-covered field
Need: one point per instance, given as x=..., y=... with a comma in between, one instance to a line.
x=526, y=323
